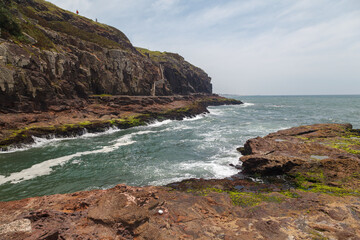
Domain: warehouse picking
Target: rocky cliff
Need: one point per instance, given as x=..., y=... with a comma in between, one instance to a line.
x=51, y=57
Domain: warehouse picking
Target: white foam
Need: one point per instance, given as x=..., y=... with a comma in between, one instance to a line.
x=162, y=182
x=46, y=167
x=216, y=112
x=216, y=168
x=40, y=142
x=158, y=124
x=111, y=130
x=277, y=106
x=247, y=104
x=197, y=117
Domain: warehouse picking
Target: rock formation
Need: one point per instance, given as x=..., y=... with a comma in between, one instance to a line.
x=61, y=72
x=60, y=58
x=315, y=197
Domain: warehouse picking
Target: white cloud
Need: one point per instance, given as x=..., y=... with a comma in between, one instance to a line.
x=248, y=47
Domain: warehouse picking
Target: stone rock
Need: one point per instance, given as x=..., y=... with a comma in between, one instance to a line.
x=329, y=147
x=101, y=60
x=22, y=225
x=234, y=208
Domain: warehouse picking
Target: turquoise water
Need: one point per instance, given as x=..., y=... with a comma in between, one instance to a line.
x=161, y=153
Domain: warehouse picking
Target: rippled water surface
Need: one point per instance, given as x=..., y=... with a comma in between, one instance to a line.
x=163, y=152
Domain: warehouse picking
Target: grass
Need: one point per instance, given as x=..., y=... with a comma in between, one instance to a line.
x=50, y=16
x=345, y=143
x=8, y=23
x=316, y=182
x=43, y=42
x=249, y=199
x=156, y=56
x=68, y=28
x=102, y=95
x=246, y=199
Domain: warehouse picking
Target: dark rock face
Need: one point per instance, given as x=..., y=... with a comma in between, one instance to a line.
x=34, y=80
x=71, y=58
x=183, y=77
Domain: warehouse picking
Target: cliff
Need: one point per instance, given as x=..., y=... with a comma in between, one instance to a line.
x=52, y=57
x=313, y=195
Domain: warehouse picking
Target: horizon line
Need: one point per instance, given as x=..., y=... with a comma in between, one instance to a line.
x=286, y=95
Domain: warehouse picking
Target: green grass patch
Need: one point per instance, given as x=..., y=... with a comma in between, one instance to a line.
x=8, y=23
x=70, y=29
x=43, y=42
x=249, y=199
x=316, y=182
x=346, y=143
x=243, y=199
x=102, y=95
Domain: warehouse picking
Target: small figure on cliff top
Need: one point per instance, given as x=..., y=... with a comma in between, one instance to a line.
x=77, y=12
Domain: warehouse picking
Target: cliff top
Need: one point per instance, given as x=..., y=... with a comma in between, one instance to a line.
x=30, y=14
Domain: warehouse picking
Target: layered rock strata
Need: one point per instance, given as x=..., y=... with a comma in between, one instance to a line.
x=61, y=57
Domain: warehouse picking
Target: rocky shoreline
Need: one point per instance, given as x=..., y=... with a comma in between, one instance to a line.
x=307, y=187
x=101, y=113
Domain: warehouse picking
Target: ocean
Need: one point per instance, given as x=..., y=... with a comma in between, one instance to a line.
x=163, y=152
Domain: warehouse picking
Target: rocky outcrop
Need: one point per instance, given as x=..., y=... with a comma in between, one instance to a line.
x=62, y=57
x=181, y=76
x=99, y=114
x=328, y=153
x=127, y=212
x=301, y=204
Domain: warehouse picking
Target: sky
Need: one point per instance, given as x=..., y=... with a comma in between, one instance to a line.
x=248, y=47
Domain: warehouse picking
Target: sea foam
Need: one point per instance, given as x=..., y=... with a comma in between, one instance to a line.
x=46, y=167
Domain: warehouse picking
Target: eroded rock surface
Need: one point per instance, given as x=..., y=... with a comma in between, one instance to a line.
x=328, y=153
x=62, y=58
x=133, y=213
x=301, y=204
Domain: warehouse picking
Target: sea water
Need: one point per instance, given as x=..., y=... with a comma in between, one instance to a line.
x=163, y=152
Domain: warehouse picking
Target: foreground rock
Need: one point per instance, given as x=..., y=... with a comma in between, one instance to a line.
x=161, y=213
x=317, y=154
x=293, y=205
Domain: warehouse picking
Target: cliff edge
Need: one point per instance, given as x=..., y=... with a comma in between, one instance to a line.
x=53, y=57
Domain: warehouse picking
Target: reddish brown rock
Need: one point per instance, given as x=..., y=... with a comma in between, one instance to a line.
x=330, y=149
x=133, y=213
x=233, y=208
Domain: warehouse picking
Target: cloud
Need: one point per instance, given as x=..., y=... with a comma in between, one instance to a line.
x=248, y=47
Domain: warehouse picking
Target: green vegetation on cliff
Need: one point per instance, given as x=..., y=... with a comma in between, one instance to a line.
x=8, y=23
x=32, y=16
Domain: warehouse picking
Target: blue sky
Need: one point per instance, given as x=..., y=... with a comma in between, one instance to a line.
x=257, y=47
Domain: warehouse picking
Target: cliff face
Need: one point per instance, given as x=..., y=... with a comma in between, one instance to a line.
x=182, y=77
x=60, y=58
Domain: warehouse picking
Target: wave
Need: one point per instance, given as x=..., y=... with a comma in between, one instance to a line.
x=197, y=117
x=162, y=182
x=40, y=142
x=247, y=104
x=216, y=112
x=46, y=167
x=216, y=169
x=159, y=123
